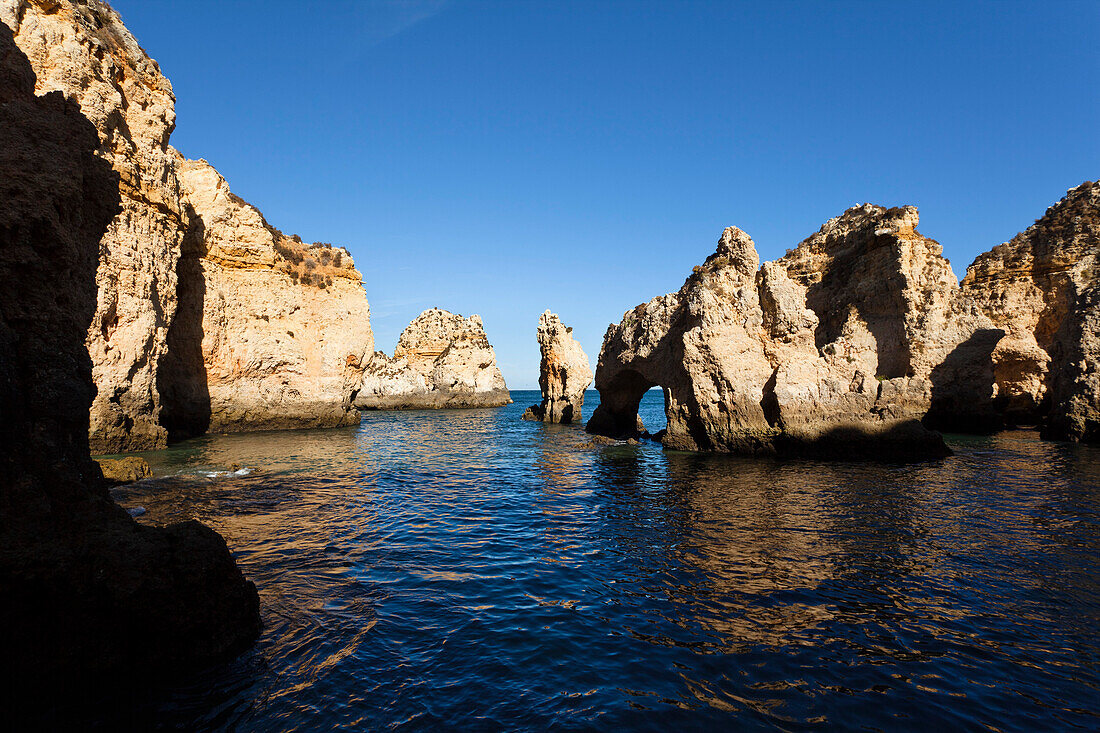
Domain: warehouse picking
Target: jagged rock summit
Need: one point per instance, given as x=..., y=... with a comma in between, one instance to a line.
x=817, y=350
x=564, y=373
x=188, y=275
x=441, y=360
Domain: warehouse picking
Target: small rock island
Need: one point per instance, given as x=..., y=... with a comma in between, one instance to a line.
x=442, y=360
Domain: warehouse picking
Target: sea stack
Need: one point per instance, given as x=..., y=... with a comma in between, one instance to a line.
x=200, y=322
x=564, y=373
x=442, y=360
x=818, y=353
x=88, y=594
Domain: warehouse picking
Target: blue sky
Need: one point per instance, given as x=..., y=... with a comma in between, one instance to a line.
x=502, y=158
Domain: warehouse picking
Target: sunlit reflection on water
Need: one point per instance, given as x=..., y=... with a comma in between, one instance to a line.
x=466, y=569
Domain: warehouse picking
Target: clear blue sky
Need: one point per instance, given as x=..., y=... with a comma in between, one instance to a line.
x=501, y=158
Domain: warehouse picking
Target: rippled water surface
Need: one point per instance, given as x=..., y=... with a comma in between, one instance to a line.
x=467, y=570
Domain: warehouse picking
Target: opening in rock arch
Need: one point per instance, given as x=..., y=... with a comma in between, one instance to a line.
x=627, y=397
x=651, y=409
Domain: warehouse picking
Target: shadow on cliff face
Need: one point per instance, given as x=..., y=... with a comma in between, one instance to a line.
x=883, y=310
x=181, y=375
x=89, y=596
x=962, y=388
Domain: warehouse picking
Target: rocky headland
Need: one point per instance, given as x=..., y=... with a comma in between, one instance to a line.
x=857, y=340
x=89, y=596
x=249, y=330
x=442, y=360
x=564, y=373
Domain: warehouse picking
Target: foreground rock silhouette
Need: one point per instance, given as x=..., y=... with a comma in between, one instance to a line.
x=89, y=596
x=564, y=373
x=442, y=360
x=856, y=340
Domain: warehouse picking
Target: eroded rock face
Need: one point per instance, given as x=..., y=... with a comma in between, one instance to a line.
x=827, y=350
x=88, y=593
x=441, y=360
x=861, y=331
x=82, y=50
x=564, y=373
x=1039, y=288
x=270, y=332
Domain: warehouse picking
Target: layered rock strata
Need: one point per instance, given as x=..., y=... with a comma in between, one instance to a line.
x=270, y=332
x=88, y=594
x=442, y=360
x=564, y=373
x=251, y=316
x=827, y=350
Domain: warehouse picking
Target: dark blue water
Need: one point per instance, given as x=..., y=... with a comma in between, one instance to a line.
x=467, y=570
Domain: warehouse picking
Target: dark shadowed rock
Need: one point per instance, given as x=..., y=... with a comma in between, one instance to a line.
x=88, y=594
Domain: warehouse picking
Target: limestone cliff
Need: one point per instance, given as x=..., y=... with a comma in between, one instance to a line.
x=441, y=360
x=1040, y=289
x=263, y=343
x=83, y=50
x=269, y=332
x=564, y=373
x=827, y=349
x=88, y=594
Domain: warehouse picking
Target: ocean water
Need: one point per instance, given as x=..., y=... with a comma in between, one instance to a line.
x=466, y=570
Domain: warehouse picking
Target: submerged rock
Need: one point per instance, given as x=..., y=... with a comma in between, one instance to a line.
x=441, y=360
x=125, y=470
x=564, y=373
x=206, y=317
x=88, y=594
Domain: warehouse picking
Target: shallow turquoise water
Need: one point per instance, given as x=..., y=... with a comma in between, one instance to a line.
x=468, y=570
